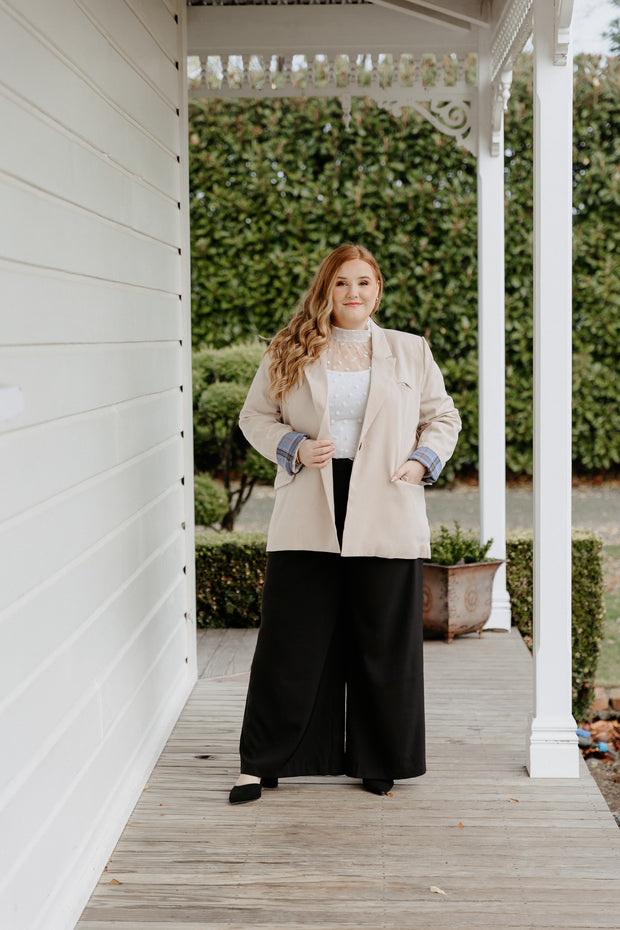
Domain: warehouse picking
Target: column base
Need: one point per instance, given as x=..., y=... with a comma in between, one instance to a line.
x=500, y=617
x=552, y=751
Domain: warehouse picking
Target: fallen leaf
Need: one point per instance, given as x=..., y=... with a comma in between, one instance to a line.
x=516, y=800
x=202, y=757
x=436, y=890
x=114, y=882
x=460, y=824
x=390, y=794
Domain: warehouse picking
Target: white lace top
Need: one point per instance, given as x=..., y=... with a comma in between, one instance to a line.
x=348, y=378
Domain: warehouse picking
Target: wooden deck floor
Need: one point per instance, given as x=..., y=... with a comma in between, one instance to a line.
x=507, y=851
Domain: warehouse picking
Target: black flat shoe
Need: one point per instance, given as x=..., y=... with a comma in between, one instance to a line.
x=241, y=794
x=269, y=782
x=377, y=785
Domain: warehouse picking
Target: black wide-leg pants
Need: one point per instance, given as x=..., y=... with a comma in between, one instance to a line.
x=336, y=684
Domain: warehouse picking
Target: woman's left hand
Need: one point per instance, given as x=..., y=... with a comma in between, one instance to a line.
x=411, y=471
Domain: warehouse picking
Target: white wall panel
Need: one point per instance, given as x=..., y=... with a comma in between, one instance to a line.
x=40, y=306
x=37, y=543
x=89, y=180
x=79, y=447
x=109, y=564
x=61, y=381
x=139, y=45
x=96, y=56
x=55, y=233
x=97, y=638
x=35, y=72
x=158, y=20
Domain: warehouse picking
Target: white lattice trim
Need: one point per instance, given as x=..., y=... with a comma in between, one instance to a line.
x=512, y=33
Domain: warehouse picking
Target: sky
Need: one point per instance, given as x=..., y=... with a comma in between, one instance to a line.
x=590, y=19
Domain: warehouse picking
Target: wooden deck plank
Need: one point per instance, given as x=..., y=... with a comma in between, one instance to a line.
x=322, y=853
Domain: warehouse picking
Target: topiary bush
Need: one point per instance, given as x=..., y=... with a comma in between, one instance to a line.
x=221, y=378
x=210, y=501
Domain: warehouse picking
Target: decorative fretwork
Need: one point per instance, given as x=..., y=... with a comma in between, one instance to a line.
x=501, y=96
x=513, y=32
x=452, y=117
x=440, y=88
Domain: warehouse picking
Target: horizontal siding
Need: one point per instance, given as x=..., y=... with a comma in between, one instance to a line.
x=41, y=541
x=109, y=564
x=108, y=657
x=83, y=782
x=61, y=381
x=121, y=22
x=40, y=306
x=77, y=448
x=96, y=57
x=72, y=238
x=95, y=535
x=91, y=181
x=66, y=96
x=159, y=21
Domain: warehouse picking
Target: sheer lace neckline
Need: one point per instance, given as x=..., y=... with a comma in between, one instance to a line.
x=349, y=350
x=350, y=335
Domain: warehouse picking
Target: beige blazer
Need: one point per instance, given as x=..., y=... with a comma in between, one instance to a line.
x=407, y=407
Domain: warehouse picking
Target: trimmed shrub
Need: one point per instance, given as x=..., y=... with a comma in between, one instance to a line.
x=210, y=501
x=221, y=378
x=588, y=609
x=230, y=573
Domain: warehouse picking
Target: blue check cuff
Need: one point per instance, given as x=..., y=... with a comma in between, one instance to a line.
x=430, y=461
x=287, y=451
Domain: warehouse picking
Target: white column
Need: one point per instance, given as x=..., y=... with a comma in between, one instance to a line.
x=491, y=344
x=552, y=745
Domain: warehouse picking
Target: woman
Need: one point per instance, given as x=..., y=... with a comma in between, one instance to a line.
x=358, y=420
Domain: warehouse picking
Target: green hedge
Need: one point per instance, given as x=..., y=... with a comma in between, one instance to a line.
x=230, y=573
x=230, y=570
x=588, y=605
x=265, y=209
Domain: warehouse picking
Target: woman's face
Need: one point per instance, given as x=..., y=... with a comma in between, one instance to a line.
x=354, y=295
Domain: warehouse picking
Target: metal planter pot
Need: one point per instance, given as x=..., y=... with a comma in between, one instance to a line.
x=457, y=598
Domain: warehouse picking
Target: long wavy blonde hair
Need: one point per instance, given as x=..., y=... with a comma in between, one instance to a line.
x=307, y=334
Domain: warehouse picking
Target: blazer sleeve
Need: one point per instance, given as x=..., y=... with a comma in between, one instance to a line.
x=260, y=419
x=439, y=424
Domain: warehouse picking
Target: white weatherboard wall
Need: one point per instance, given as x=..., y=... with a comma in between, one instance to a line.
x=96, y=592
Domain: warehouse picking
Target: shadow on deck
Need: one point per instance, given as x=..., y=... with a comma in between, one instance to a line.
x=508, y=851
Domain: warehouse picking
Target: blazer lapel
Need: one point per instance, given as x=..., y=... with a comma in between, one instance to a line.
x=316, y=378
x=382, y=372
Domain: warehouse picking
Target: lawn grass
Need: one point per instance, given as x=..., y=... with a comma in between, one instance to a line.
x=608, y=672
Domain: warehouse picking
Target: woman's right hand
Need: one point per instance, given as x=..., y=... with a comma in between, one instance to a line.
x=315, y=453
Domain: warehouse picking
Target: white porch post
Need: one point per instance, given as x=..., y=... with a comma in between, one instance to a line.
x=552, y=745
x=491, y=343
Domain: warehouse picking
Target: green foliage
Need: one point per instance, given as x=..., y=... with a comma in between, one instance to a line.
x=587, y=605
x=230, y=574
x=221, y=378
x=266, y=209
x=230, y=569
x=455, y=548
x=210, y=501
x=613, y=30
